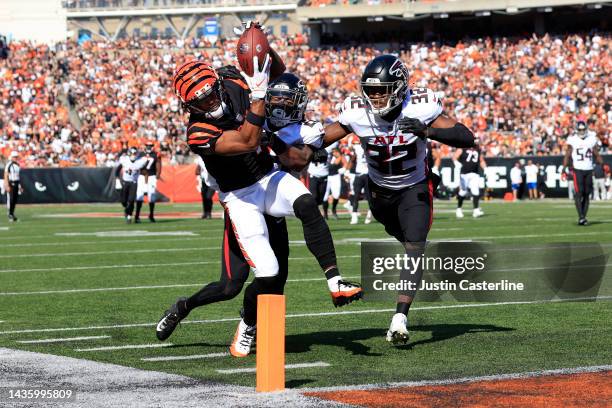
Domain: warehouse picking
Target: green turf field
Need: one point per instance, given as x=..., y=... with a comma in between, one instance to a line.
x=81, y=277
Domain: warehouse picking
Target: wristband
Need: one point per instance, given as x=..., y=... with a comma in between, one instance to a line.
x=254, y=119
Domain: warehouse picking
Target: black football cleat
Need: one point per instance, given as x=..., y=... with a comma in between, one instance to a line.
x=345, y=293
x=169, y=321
x=152, y=218
x=137, y=220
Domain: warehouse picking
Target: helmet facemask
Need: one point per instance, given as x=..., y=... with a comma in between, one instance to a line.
x=581, y=130
x=208, y=103
x=383, y=96
x=285, y=106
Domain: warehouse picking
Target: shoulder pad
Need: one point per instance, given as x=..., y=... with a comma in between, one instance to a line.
x=312, y=133
x=424, y=104
x=352, y=109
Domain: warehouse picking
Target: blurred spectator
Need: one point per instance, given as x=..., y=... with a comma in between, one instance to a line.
x=73, y=105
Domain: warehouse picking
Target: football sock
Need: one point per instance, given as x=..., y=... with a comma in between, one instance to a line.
x=333, y=277
x=403, y=308
x=151, y=209
x=578, y=201
x=585, y=205
x=316, y=232
x=325, y=207
x=334, y=205
x=138, y=207
x=460, y=201
x=475, y=200
x=214, y=292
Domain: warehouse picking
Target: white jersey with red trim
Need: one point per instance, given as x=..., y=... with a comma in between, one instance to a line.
x=582, y=151
x=395, y=159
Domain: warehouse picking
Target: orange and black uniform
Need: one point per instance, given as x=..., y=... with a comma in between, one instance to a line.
x=232, y=173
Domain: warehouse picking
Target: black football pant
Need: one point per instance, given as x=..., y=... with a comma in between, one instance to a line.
x=207, y=198
x=360, y=183
x=12, y=198
x=583, y=188
x=235, y=271
x=317, y=187
x=128, y=196
x=407, y=215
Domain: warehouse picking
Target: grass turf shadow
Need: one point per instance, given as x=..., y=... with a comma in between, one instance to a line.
x=350, y=339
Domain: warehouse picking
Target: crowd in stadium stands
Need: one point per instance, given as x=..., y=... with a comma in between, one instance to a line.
x=82, y=105
x=158, y=3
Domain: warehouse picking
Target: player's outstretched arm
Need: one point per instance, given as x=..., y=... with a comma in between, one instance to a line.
x=335, y=132
x=597, y=156
x=444, y=130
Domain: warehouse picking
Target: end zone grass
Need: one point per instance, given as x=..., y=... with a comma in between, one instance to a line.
x=87, y=277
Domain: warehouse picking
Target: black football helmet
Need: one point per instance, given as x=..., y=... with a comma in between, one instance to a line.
x=384, y=83
x=581, y=128
x=133, y=153
x=286, y=100
x=149, y=147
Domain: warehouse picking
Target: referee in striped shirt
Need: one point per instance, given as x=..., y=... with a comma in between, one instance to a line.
x=12, y=185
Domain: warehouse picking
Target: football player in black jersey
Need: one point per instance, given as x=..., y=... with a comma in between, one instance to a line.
x=147, y=182
x=470, y=160
x=225, y=130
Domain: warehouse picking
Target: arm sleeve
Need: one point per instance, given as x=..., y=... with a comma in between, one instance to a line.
x=457, y=136
x=202, y=137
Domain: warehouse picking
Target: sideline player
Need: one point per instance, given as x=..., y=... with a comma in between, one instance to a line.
x=129, y=171
x=582, y=150
x=12, y=185
x=318, y=172
x=360, y=181
x=147, y=182
x=394, y=123
x=470, y=160
x=334, y=181
x=206, y=188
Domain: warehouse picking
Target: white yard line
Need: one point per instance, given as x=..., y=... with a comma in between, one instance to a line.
x=129, y=266
x=72, y=243
x=498, y=377
x=287, y=367
x=128, y=251
x=61, y=340
x=366, y=311
x=127, y=347
x=192, y=357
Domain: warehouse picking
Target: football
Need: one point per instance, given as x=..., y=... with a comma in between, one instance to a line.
x=253, y=42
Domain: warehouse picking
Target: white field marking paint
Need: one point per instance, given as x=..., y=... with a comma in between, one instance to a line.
x=450, y=381
x=126, y=241
x=287, y=367
x=130, y=233
x=81, y=268
x=192, y=357
x=367, y=311
x=132, y=251
x=4, y=228
x=61, y=340
x=127, y=347
x=186, y=285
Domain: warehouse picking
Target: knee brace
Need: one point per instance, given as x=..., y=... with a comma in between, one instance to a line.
x=305, y=208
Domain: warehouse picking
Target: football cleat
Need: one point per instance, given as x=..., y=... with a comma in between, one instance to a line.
x=398, y=333
x=354, y=218
x=583, y=221
x=345, y=293
x=459, y=213
x=128, y=219
x=368, y=218
x=477, y=212
x=243, y=340
x=335, y=215
x=169, y=321
x=137, y=220
x=152, y=218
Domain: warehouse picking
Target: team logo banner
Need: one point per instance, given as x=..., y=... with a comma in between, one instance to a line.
x=486, y=272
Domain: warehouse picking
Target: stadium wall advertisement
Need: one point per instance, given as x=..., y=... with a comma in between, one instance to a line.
x=180, y=184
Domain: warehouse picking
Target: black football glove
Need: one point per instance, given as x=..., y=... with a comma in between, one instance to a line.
x=414, y=126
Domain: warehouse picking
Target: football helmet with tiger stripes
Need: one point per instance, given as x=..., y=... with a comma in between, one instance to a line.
x=199, y=89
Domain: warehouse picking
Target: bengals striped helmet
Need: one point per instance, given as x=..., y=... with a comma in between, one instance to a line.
x=195, y=81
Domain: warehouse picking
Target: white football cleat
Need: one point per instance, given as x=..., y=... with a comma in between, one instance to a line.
x=348, y=205
x=398, y=333
x=354, y=218
x=459, y=213
x=477, y=212
x=368, y=218
x=243, y=340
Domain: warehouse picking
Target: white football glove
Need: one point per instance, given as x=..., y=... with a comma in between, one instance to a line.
x=259, y=81
x=246, y=25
